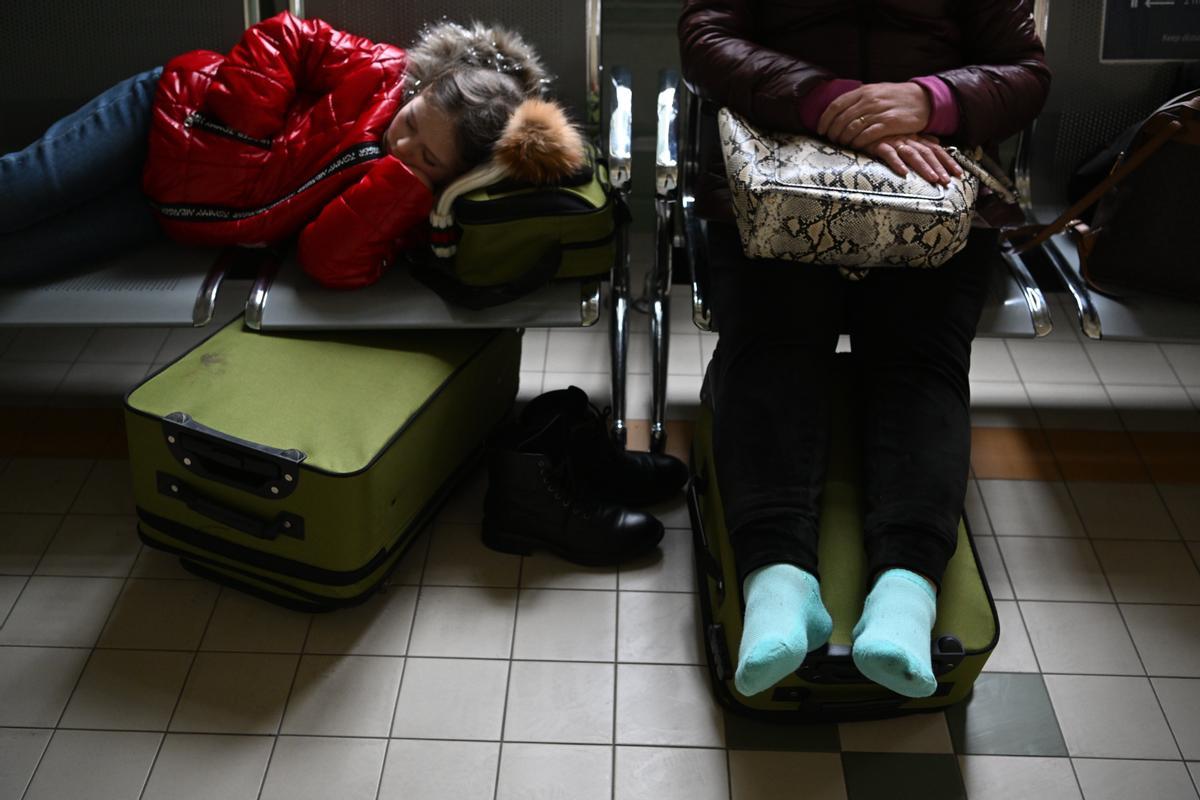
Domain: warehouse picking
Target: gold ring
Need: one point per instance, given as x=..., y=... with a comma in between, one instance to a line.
x=862, y=120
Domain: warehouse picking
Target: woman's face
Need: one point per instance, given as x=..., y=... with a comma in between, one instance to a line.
x=424, y=138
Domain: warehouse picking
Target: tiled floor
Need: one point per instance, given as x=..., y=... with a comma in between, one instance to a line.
x=480, y=675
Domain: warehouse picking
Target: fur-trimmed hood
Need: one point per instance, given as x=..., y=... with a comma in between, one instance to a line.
x=445, y=45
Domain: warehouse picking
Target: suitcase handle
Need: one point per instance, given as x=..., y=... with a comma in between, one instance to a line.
x=251, y=467
x=284, y=524
x=704, y=555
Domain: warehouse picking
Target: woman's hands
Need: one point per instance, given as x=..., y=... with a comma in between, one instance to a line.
x=873, y=111
x=923, y=154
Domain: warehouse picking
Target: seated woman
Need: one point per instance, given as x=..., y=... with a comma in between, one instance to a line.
x=300, y=128
x=891, y=79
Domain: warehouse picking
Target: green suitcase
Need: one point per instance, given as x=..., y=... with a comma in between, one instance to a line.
x=828, y=686
x=299, y=467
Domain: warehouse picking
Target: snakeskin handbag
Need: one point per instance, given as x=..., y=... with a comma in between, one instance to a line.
x=803, y=199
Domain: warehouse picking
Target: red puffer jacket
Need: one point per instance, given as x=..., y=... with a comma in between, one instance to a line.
x=286, y=133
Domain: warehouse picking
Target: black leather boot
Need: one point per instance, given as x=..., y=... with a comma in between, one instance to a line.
x=533, y=502
x=603, y=468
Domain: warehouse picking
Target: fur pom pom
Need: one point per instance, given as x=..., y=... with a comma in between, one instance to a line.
x=540, y=145
x=447, y=45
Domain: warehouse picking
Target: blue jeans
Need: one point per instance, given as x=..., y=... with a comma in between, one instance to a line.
x=74, y=196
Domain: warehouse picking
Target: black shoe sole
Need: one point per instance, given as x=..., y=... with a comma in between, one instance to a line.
x=503, y=541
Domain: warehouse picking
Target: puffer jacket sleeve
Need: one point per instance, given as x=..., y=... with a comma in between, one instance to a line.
x=1006, y=81
x=721, y=61
x=258, y=80
x=351, y=242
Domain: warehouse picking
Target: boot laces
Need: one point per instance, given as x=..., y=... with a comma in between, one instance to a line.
x=562, y=482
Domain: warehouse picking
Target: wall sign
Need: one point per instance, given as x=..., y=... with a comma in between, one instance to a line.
x=1151, y=30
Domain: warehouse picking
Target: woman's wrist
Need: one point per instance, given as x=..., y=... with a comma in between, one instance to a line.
x=818, y=98
x=943, y=108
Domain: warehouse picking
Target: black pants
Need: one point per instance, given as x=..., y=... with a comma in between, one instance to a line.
x=911, y=332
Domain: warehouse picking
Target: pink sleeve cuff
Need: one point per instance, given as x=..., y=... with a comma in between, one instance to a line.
x=813, y=104
x=943, y=117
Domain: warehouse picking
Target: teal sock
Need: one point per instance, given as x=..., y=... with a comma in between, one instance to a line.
x=891, y=640
x=785, y=618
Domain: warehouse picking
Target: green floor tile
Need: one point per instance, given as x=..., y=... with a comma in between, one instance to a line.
x=743, y=733
x=1006, y=715
x=898, y=776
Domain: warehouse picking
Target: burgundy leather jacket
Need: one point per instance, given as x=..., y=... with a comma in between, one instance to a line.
x=759, y=57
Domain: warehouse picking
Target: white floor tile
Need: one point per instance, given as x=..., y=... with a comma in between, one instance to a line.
x=443, y=698
x=242, y=623
x=596, y=385
x=529, y=386
x=107, y=490
x=160, y=615
x=1155, y=408
x=235, y=693
x=42, y=485
x=1078, y=406
x=1180, y=698
x=457, y=557
x=1183, y=503
x=1081, y=638
x=1113, y=510
x=993, y=567
x=1001, y=405
x=1118, y=780
x=192, y=767
x=463, y=623
x=546, y=571
x=670, y=773
x=990, y=361
x=378, y=627
x=98, y=546
x=30, y=383
x=1185, y=358
x=24, y=539
x=533, y=350
x=153, y=563
x=659, y=627
x=411, y=566
x=1030, y=508
x=1150, y=572
x=577, y=351
x=124, y=345
x=1005, y=777
x=127, y=690
x=312, y=768
x=36, y=682
x=758, y=775
x=10, y=590
x=97, y=385
x=975, y=512
x=434, y=770
x=98, y=765
x=60, y=612
x=671, y=568
x=20, y=751
x=1052, y=362
x=48, y=344
x=1109, y=717
x=535, y=771
x=667, y=705
x=556, y=624
x=1130, y=363
x=1053, y=569
x=343, y=696
x=918, y=733
x=1013, y=653
x=557, y=701
x=1167, y=637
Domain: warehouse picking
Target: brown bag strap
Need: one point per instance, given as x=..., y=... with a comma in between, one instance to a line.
x=1172, y=119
